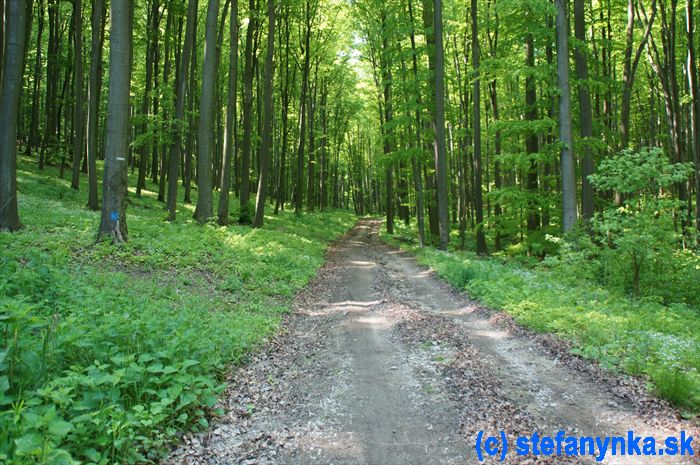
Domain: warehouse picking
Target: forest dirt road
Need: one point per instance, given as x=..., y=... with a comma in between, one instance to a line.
x=382, y=363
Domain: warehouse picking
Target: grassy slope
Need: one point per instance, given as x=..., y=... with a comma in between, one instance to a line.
x=107, y=352
x=660, y=342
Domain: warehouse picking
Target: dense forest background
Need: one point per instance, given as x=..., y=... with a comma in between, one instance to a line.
x=562, y=139
x=471, y=122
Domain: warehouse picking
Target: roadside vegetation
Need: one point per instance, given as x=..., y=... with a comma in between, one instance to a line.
x=107, y=352
x=625, y=292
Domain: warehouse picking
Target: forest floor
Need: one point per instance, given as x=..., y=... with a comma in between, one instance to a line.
x=384, y=363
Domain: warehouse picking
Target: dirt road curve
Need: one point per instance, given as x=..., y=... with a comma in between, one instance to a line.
x=384, y=364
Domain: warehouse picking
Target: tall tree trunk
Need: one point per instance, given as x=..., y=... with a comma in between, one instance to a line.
x=97, y=24
x=248, y=74
x=189, y=145
x=531, y=141
x=694, y=86
x=476, y=123
x=78, y=92
x=665, y=67
x=12, y=68
x=266, y=142
x=311, y=169
x=493, y=93
x=52, y=79
x=629, y=69
x=2, y=38
x=34, y=124
x=430, y=182
x=497, y=210
x=387, y=130
x=114, y=184
x=156, y=152
x=229, y=132
x=282, y=179
x=439, y=127
x=568, y=165
x=298, y=194
x=585, y=110
x=205, y=206
x=627, y=78
x=145, y=101
x=415, y=160
x=180, y=121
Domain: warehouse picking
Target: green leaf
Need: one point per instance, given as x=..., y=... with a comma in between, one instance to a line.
x=29, y=444
x=60, y=428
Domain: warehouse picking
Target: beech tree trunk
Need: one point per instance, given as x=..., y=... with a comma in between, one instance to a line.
x=266, y=142
x=585, y=110
x=79, y=109
x=97, y=23
x=180, y=122
x=33, y=141
x=478, y=200
x=113, y=224
x=388, y=116
x=248, y=74
x=439, y=128
x=229, y=131
x=12, y=67
x=568, y=165
x=205, y=206
x=694, y=87
x=531, y=142
x=298, y=189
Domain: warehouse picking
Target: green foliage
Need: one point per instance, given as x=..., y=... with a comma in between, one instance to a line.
x=642, y=173
x=563, y=294
x=107, y=352
x=639, y=241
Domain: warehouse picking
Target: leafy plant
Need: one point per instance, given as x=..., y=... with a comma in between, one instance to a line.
x=102, y=358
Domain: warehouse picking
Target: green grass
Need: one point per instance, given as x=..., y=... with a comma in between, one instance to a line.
x=642, y=337
x=107, y=352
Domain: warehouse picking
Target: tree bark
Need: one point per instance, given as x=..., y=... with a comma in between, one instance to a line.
x=97, y=23
x=694, y=87
x=439, y=128
x=311, y=168
x=266, y=142
x=12, y=68
x=229, y=132
x=145, y=101
x=282, y=179
x=78, y=91
x=180, y=121
x=585, y=109
x=189, y=145
x=387, y=131
x=52, y=79
x=478, y=200
x=630, y=64
x=248, y=74
x=568, y=165
x=415, y=160
x=113, y=221
x=298, y=194
x=205, y=206
x=531, y=142
x=34, y=124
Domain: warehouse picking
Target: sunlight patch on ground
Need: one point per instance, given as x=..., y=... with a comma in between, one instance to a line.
x=375, y=321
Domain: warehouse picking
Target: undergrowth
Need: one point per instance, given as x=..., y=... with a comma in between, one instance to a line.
x=108, y=352
x=640, y=336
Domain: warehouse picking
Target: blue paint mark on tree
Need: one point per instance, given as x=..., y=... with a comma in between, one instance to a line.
x=114, y=216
